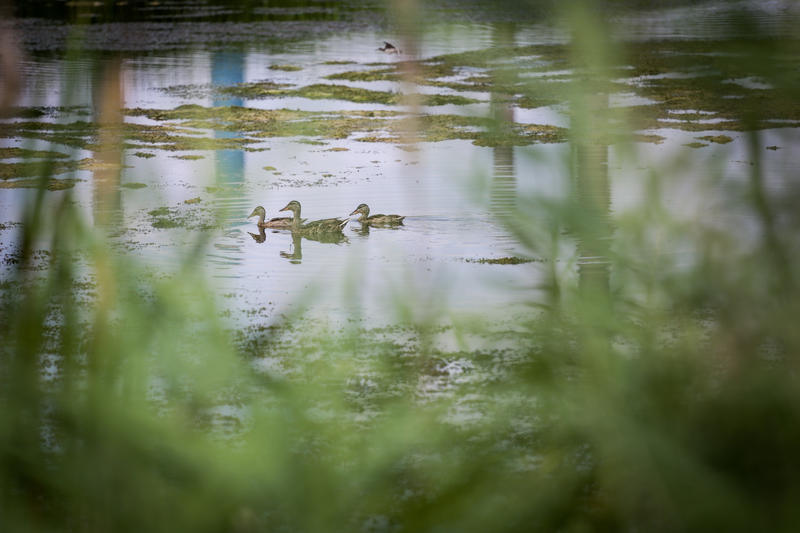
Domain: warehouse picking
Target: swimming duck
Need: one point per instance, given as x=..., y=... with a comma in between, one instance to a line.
x=279, y=222
x=376, y=220
x=389, y=48
x=317, y=226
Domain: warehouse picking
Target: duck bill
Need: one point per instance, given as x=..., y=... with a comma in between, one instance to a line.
x=353, y=213
x=284, y=209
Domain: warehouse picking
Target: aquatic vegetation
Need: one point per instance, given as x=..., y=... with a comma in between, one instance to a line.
x=286, y=68
x=719, y=139
x=51, y=184
x=22, y=169
x=133, y=185
x=187, y=215
x=381, y=74
x=353, y=94
x=257, y=89
x=24, y=153
x=499, y=260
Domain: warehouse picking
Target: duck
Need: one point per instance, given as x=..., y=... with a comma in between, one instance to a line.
x=389, y=48
x=376, y=220
x=325, y=225
x=278, y=223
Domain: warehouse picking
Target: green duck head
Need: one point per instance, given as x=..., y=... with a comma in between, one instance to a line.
x=362, y=208
x=294, y=207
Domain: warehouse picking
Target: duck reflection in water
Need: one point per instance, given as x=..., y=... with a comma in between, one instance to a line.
x=259, y=237
x=295, y=253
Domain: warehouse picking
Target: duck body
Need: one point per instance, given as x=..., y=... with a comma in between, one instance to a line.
x=326, y=225
x=376, y=220
x=276, y=223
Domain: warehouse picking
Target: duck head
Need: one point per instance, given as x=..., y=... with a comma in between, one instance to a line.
x=294, y=207
x=362, y=208
x=258, y=212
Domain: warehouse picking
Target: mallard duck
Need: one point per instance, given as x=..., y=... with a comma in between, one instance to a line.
x=279, y=222
x=317, y=226
x=389, y=48
x=376, y=220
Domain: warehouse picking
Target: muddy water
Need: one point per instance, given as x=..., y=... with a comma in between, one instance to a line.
x=452, y=192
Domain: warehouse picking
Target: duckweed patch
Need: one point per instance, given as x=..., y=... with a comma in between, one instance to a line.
x=719, y=139
x=695, y=144
x=144, y=155
x=285, y=68
x=188, y=215
x=24, y=153
x=51, y=184
x=256, y=89
x=27, y=169
x=321, y=91
x=382, y=74
x=500, y=261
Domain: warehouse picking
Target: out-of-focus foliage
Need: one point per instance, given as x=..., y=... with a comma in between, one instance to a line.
x=655, y=393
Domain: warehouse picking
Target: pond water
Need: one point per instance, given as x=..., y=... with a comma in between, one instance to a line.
x=452, y=192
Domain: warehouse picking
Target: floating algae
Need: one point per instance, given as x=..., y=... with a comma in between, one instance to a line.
x=50, y=184
x=24, y=153
x=285, y=68
x=187, y=215
x=500, y=261
x=28, y=169
x=719, y=139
